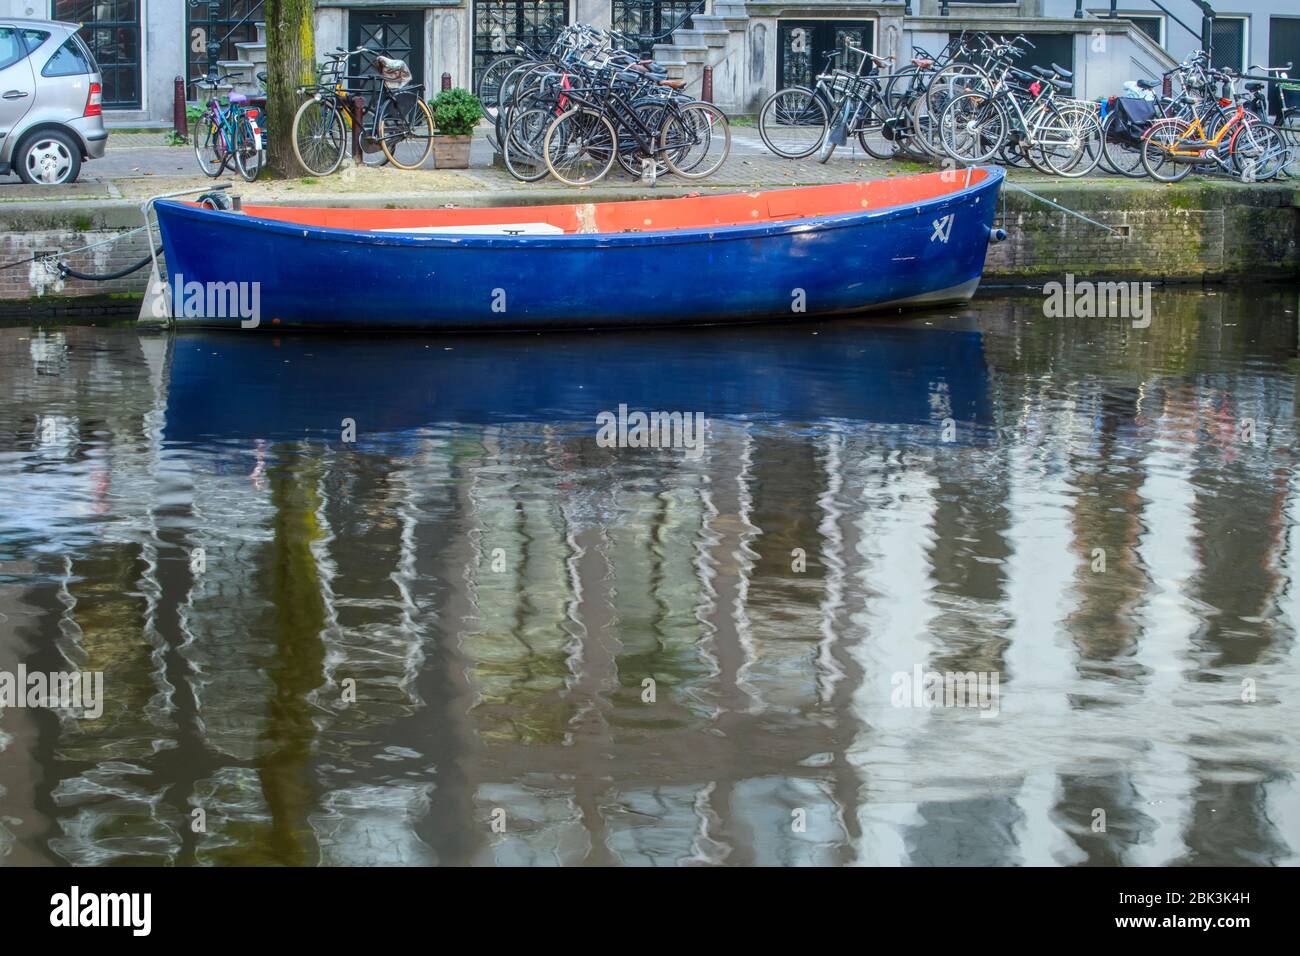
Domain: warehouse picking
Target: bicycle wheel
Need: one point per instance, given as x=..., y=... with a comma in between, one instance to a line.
x=1257, y=153
x=1072, y=145
x=924, y=130
x=407, y=138
x=209, y=147
x=876, y=135
x=579, y=147
x=1122, y=157
x=1163, y=137
x=898, y=85
x=248, y=151
x=630, y=155
x=952, y=81
x=696, y=141
x=1013, y=153
x=972, y=128
x=489, y=83
x=522, y=148
x=320, y=136
x=522, y=79
x=1290, y=129
x=793, y=122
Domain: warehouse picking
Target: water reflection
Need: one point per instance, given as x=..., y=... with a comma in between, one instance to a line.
x=356, y=653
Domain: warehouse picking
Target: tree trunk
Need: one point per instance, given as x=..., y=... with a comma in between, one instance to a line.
x=290, y=63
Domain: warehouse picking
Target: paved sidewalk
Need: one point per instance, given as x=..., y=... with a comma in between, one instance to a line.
x=139, y=165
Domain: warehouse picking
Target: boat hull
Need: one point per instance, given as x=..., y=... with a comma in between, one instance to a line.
x=313, y=277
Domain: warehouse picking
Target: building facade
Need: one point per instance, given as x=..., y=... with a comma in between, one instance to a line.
x=751, y=48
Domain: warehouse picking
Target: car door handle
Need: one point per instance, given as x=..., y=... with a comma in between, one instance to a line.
x=16, y=94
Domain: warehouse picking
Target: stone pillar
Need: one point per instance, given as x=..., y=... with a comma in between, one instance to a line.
x=449, y=50
x=890, y=41
x=760, y=63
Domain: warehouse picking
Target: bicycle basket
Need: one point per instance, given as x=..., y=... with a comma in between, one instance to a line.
x=1290, y=93
x=395, y=73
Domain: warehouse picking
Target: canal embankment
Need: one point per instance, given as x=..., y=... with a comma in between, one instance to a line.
x=1195, y=231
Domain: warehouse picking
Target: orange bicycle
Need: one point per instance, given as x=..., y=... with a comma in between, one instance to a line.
x=1174, y=145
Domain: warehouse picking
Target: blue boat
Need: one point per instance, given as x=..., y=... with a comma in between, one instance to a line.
x=791, y=254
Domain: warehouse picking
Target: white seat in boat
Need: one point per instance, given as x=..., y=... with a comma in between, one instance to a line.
x=486, y=229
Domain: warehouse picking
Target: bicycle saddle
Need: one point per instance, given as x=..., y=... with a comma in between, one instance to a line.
x=1254, y=87
x=673, y=84
x=237, y=99
x=1062, y=70
x=922, y=63
x=1146, y=84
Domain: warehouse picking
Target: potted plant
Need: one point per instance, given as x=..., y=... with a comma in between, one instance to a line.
x=455, y=114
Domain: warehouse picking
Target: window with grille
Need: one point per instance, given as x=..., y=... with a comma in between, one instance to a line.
x=500, y=26
x=1227, y=44
x=111, y=28
x=652, y=21
x=221, y=22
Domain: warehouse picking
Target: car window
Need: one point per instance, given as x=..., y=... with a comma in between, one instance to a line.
x=68, y=60
x=34, y=39
x=11, y=47
x=86, y=52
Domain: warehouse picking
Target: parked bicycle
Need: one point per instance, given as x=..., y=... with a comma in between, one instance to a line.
x=1219, y=133
x=590, y=102
x=395, y=120
x=1025, y=111
x=229, y=135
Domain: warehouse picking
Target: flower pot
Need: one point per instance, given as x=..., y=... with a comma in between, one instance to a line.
x=451, y=152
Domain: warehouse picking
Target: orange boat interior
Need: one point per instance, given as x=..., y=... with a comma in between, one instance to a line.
x=652, y=215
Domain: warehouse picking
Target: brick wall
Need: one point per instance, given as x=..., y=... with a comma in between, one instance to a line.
x=1185, y=232
x=36, y=280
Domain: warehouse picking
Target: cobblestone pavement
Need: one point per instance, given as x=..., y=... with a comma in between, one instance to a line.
x=139, y=164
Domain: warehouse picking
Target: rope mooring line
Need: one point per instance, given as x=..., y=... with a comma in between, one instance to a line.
x=1076, y=215
x=71, y=252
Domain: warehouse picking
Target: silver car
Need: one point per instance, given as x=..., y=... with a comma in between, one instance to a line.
x=51, y=92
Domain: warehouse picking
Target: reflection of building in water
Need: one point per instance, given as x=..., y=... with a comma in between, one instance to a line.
x=517, y=684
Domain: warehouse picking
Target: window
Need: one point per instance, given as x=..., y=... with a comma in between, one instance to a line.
x=209, y=40
x=501, y=24
x=68, y=60
x=1228, y=43
x=11, y=47
x=1154, y=27
x=802, y=45
x=34, y=38
x=652, y=21
x=111, y=31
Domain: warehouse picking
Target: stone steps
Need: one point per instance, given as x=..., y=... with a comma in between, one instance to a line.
x=251, y=61
x=707, y=42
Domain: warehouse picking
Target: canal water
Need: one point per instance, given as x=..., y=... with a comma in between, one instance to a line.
x=972, y=586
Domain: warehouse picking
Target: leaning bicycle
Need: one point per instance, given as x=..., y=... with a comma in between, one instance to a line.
x=229, y=134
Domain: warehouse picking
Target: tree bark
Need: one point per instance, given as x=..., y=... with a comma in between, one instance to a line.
x=290, y=64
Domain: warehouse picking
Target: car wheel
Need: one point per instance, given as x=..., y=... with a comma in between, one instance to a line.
x=49, y=158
